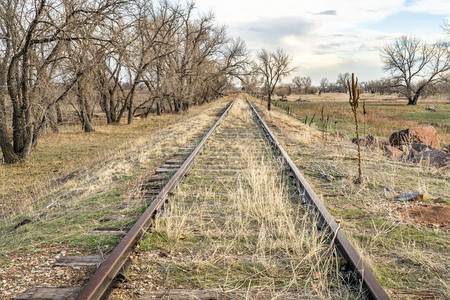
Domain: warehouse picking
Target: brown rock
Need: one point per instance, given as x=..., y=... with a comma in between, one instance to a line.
x=392, y=151
x=439, y=200
x=426, y=136
x=419, y=135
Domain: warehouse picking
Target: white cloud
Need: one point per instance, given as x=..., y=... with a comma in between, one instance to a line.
x=324, y=37
x=437, y=7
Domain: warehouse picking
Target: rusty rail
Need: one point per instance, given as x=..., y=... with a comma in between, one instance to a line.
x=100, y=282
x=365, y=277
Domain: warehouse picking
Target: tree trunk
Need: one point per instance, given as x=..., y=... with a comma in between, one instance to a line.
x=130, y=112
x=130, y=107
x=413, y=100
x=269, y=100
x=158, y=108
x=9, y=156
x=87, y=126
x=176, y=105
x=106, y=108
x=59, y=118
x=84, y=110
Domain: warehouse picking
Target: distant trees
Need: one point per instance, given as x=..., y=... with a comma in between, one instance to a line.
x=302, y=83
x=100, y=53
x=250, y=83
x=342, y=82
x=283, y=90
x=414, y=65
x=324, y=85
x=381, y=86
x=272, y=66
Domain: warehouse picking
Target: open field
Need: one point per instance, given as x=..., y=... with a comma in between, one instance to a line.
x=385, y=113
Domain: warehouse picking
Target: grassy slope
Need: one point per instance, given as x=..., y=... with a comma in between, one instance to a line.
x=407, y=259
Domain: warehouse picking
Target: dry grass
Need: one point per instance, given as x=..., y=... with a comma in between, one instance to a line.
x=62, y=160
x=98, y=195
x=241, y=231
x=408, y=259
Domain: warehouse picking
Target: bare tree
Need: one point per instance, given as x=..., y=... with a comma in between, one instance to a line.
x=342, y=82
x=302, y=83
x=323, y=84
x=381, y=86
x=196, y=62
x=414, y=65
x=273, y=66
x=446, y=26
x=102, y=52
x=297, y=81
x=250, y=83
x=33, y=35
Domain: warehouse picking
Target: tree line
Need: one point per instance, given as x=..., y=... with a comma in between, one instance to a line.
x=416, y=69
x=101, y=52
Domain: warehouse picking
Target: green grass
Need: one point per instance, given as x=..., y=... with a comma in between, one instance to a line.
x=382, y=118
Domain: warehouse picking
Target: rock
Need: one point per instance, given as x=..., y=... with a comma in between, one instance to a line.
x=439, y=200
x=420, y=147
x=419, y=135
x=399, y=138
x=412, y=153
x=430, y=108
x=355, y=141
x=409, y=196
x=426, y=136
x=392, y=151
x=435, y=157
x=371, y=141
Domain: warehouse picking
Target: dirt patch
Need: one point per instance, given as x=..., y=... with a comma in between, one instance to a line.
x=428, y=215
x=19, y=273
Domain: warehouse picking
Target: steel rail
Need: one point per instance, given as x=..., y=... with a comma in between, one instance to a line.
x=343, y=245
x=100, y=282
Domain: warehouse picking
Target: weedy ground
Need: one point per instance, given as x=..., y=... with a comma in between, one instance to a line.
x=76, y=182
x=410, y=260
x=385, y=114
x=236, y=225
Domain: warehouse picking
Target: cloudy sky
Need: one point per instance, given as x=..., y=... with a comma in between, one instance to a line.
x=328, y=37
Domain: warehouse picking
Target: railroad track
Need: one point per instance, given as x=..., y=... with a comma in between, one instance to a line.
x=244, y=224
